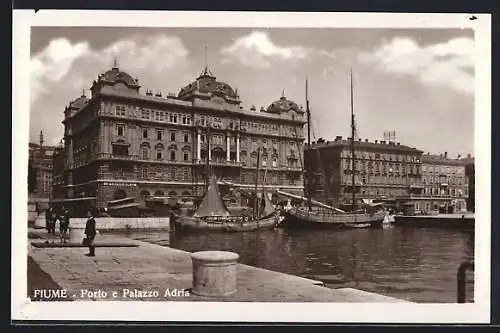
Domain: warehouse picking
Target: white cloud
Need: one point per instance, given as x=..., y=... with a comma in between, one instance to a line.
x=449, y=64
x=258, y=51
x=65, y=68
x=53, y=63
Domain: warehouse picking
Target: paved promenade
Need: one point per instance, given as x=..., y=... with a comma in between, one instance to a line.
x=156, y=273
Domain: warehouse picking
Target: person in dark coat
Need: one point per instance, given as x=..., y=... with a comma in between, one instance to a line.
x=48, y=220
x=63, y=224
x=90, y=232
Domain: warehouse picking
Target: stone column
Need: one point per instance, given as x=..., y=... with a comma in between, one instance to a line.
x=228, y=149
x=209, y=153
x=198, y=146
x=237, y=148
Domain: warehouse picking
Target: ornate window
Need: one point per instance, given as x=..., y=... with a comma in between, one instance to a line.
x=159, y=134
x=145, y=153
x=145, y=194
x=120, y=130
x=159, y=193
x=144, y=133
x=186, y=137
x=172, y=155
x=172, y=136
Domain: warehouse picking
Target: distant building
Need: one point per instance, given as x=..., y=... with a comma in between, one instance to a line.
x=123, y=143
x=471, y=176
x=386, y=171
x=58, y=164
x=446, y=184
x=40, y=159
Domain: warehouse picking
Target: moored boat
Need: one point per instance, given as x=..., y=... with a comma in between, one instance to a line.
x=314, y=214
x=213, y=215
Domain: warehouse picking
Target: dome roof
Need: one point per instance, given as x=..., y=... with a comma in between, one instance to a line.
x=283, y=105
x=79, y=102
x=207, y=83
x=115, y=75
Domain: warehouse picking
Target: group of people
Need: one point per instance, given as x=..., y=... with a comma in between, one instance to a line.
x=52, y=217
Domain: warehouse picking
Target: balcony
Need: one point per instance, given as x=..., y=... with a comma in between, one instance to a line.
x=214, y=162
x=109, y=156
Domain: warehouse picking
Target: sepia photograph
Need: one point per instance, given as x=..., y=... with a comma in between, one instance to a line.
x=248, y=167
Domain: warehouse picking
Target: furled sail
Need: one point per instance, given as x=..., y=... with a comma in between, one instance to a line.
x=212, y=203
x=268, y=205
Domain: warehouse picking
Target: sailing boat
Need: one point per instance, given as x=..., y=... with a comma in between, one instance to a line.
x=213, y=215
x=322, y=215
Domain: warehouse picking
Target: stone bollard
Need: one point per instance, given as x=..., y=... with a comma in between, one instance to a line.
x=214, y=273
x=76, y=235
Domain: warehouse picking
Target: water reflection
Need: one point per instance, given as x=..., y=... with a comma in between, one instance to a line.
x=417, y=264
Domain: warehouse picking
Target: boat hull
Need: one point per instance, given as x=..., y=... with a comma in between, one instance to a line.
x=224, y=223
x=301, y=218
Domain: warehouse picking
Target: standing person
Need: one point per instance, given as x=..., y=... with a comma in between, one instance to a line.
x=48, y=219
x=90, y=232
x=64, y=224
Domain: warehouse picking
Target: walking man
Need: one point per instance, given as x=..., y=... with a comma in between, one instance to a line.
x=90, y=232
x=64, y=224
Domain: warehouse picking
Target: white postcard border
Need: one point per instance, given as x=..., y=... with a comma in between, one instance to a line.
x=22, y=308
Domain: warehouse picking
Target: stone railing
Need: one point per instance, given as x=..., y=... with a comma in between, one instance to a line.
x=116, y=223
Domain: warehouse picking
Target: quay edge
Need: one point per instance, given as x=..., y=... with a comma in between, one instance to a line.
x=153, y=266
x=457, y=221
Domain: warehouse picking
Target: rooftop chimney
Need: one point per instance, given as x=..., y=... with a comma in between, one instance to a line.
x=338, y=138
x=376, y=141
x=398, y=143
x=445, y=154
x=468, y=155
x=359, y=140
x=366, y=140
x=382, y=142
x=458, y=156
x=252, y=108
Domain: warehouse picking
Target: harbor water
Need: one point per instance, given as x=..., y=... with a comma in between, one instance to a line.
x=416, y=264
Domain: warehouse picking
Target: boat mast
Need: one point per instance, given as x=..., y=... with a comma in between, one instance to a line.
x=256, y=201
x=208, y=154
x=308, y=169
x=353, y=130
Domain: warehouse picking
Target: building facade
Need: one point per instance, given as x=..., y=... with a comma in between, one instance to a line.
x=121, y=143
x=471, y=176
x=446, y=184
x=40, y=159
x=386, y=171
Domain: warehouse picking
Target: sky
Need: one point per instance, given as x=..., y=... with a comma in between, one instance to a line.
x=416, y=82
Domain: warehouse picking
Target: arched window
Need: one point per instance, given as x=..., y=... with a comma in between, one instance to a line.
x=172, y=194
x=159, y=193
x=145, y=193
x=186, y=194
x=119, y=194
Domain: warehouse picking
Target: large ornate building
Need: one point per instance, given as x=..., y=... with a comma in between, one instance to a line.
x=446, y=184
x=123, y=143
x=386, y=171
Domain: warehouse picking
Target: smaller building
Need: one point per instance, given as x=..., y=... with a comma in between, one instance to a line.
x=383, y=171
x=40, y=159
x=470, y=174
x=446, y=185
